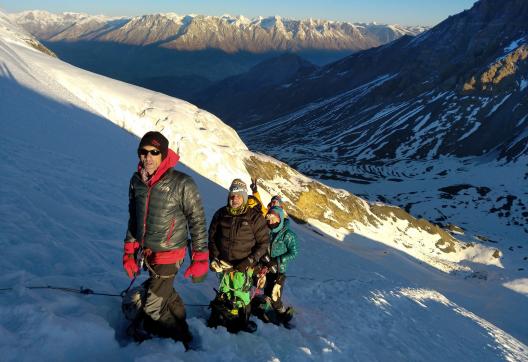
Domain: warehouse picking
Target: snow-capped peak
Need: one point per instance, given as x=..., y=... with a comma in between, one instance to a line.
x=238, y=32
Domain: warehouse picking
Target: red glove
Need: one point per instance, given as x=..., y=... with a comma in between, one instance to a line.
x=199, y=266
x=129, y=259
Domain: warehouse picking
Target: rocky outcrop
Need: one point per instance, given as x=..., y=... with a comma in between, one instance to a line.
x=41, y=48
x=340, y=213
x=497, y=74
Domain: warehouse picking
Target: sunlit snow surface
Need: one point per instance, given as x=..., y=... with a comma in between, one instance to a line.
x=64, y=177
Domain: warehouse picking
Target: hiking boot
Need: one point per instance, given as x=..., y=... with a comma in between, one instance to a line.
x=137, y=333
x=185, y=338
x=286, y=316
x=250, y=327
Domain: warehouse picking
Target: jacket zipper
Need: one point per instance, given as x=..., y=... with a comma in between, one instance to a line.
x=169, y=235
x=275, y=242
x=231, y=235
x=145, y=218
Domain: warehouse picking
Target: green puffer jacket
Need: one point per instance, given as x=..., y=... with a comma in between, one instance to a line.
x=284, y=246
x=164, y=213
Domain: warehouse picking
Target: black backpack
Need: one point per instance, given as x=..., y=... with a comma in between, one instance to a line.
x=224, y=312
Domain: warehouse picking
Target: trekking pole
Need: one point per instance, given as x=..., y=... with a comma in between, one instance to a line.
x=81, y=290
x=124, y=292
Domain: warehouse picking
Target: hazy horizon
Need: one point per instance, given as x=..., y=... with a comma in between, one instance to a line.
x=404, y=12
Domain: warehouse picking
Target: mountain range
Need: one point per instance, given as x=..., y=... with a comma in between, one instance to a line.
x=458, y=89
x=183, y=54
x=436, y=124
x=199, y=32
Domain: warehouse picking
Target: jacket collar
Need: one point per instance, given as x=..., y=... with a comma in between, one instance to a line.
x=275, y=236
x=169, y=162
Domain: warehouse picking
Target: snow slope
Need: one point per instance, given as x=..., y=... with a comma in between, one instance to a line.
x=63, y=193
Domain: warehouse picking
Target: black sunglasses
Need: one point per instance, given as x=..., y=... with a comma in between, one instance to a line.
x=144, y=152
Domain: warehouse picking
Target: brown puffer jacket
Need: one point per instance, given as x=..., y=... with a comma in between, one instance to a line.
x=236, y=237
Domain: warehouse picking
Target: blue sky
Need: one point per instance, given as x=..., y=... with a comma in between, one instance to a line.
x=405, y=12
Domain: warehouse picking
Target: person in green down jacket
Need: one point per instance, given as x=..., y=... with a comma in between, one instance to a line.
x=284, y=247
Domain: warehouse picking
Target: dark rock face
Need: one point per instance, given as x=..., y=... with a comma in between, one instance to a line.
x=459, y=89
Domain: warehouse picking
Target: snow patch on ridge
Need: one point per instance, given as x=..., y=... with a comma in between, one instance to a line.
x=521, y=121
x=518, y=285
x=470, y=132
x=523, y=85
x=495, y=107
x=514, y=45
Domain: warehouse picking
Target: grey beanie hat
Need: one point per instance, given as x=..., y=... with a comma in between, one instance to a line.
x=239, y=187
